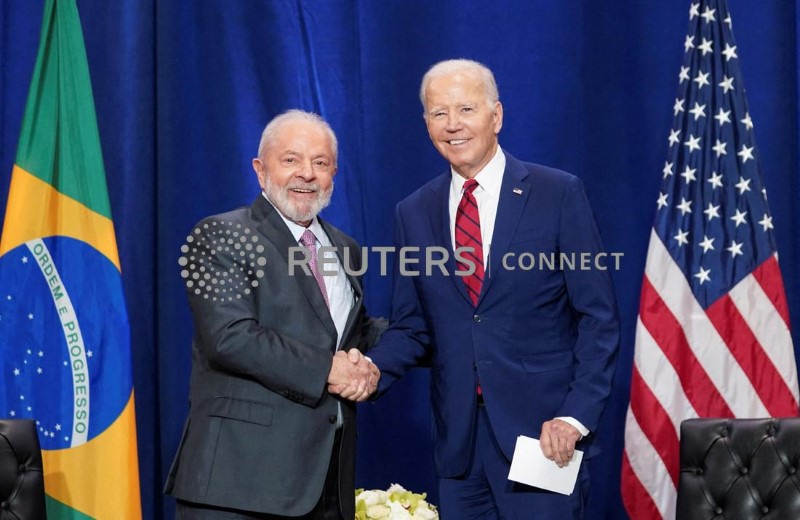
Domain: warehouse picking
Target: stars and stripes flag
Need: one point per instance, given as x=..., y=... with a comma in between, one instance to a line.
x=64, y=335
x=712, y=338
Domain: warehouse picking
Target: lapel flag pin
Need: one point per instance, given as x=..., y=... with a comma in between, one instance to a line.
x=517, y=191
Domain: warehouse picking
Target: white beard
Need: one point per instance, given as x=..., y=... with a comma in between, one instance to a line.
x=297, y=211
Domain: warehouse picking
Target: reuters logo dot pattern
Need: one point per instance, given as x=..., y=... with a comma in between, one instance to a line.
x=202, y=273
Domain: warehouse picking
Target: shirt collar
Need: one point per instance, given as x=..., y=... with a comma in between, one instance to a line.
x=297, y=230
x=489, y=178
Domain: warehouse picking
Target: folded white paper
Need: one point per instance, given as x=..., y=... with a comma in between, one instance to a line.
x=530, y=466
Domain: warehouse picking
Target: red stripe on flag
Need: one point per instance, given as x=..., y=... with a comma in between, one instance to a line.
x=655, y=423
x=638, y=502
x=768, y=275
x=668, y=333
x=748, y=352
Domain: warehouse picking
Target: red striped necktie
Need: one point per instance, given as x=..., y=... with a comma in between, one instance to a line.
x=468, y=235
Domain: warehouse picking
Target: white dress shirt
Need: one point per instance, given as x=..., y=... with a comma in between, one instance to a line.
x=487, y=196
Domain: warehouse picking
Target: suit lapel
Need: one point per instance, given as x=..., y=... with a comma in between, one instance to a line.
x=440, y=220
x=514, y=193
x=271, y=225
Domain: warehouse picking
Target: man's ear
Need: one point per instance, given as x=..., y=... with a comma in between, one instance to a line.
x=498, y=117
x=261, y=173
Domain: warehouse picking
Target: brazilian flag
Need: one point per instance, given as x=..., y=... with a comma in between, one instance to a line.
x=64, y=333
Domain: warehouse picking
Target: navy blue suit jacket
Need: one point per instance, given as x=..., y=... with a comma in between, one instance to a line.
x=541, y=341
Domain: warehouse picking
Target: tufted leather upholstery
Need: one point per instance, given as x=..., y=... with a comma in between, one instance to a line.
x=735, y=469
x=21, y=478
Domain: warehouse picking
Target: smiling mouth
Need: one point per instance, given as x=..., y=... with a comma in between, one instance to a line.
x=456, y=142
x=304, y=191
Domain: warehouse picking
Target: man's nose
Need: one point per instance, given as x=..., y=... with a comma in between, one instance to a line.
x=453, y=121
x=306, y=171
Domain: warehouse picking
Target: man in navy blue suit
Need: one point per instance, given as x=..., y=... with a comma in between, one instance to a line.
x=518, y=323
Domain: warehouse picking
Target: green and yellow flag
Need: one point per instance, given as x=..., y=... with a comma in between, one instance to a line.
x=64, y=334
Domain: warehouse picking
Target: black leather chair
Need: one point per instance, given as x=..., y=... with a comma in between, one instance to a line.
x=21, y=476
x=739, y=469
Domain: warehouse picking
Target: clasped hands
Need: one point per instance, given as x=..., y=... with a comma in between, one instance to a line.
x=353, y=376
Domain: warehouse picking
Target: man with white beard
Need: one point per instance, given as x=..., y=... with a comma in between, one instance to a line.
x=264, y=437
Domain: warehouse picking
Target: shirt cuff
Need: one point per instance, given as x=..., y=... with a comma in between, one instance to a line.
x=576, y=423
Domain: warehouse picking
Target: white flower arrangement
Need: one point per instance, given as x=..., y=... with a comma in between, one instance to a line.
x=396, y=503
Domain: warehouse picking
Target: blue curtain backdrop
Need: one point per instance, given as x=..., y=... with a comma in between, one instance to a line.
x=183, y=89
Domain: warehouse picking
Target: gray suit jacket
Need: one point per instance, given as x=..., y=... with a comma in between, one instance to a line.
x=261, y=423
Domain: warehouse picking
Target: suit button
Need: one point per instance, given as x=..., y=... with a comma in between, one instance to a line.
x=476, y=318
x=332, y=419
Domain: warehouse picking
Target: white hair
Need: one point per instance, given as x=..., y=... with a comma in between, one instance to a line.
x=270, y=133
x=447, y=67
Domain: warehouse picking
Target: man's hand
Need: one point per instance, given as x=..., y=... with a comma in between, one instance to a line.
x=353, y=376
x=558, y=441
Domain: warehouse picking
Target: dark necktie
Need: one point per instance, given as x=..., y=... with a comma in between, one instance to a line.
x=309, y=240
x=468, y=235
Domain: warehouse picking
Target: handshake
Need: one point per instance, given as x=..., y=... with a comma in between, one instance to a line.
x=353, y=376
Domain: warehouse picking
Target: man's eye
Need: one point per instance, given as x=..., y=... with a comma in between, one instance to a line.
x=467, y=109
x=321, y=164
x=289, y=160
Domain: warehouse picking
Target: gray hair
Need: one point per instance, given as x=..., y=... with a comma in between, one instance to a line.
x=270, y=132
x=447, y=67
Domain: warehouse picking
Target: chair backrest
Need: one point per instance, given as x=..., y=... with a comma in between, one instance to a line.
x=739, y=469
x=21, y=476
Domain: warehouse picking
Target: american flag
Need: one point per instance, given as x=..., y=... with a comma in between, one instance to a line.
x=712, y=338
